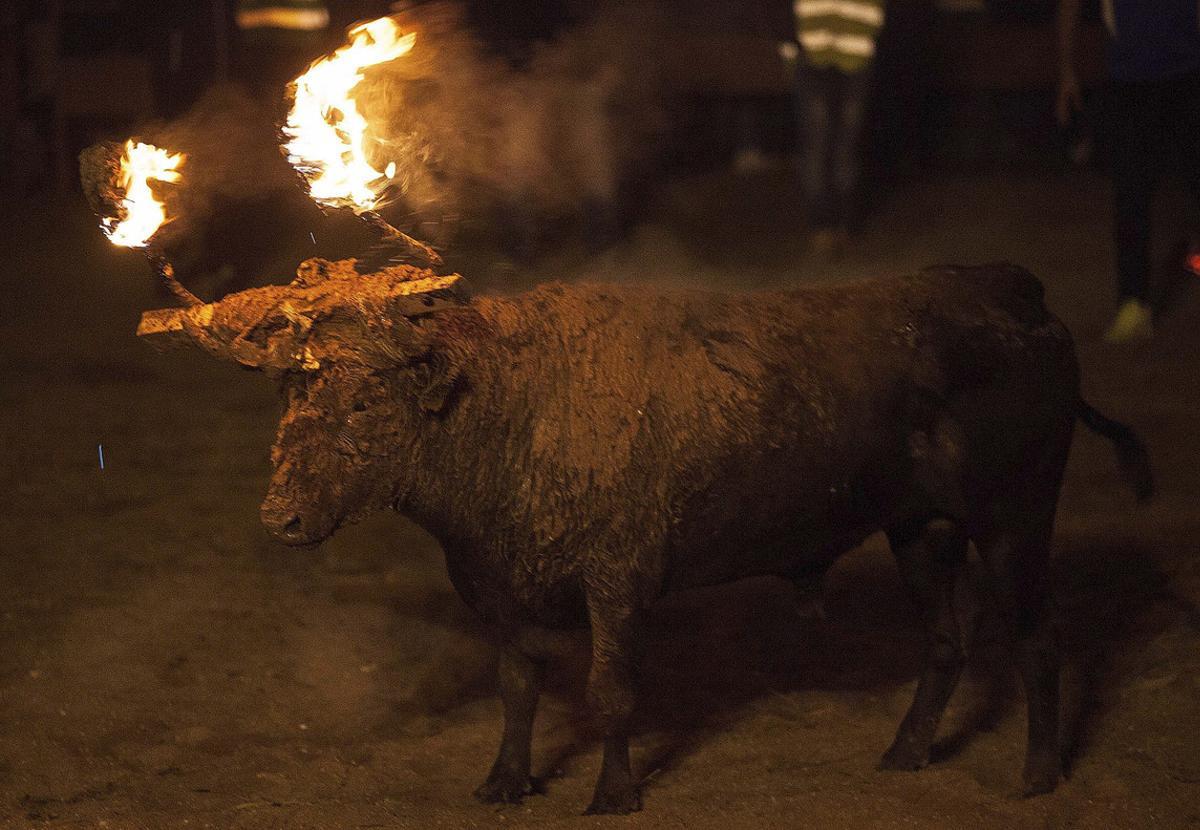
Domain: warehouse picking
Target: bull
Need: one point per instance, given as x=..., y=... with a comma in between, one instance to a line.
x=579, y=450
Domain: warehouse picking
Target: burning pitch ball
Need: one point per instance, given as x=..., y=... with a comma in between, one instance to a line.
x=328, y=142
x=328, y=138
x=118, y=181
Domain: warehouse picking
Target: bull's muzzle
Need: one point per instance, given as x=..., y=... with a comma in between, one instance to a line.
x=293, y=528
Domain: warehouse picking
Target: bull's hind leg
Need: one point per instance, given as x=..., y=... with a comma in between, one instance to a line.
x=1014, y=545
x=611, y=697
x=1017, y=559
x=929, y=556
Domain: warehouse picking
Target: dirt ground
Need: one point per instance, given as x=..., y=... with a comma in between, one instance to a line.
x=164, y=664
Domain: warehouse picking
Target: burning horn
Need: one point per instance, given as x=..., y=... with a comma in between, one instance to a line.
x=274, y=328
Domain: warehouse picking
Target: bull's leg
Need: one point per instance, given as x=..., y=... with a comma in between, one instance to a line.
x=510, y=781
x=1018, y=563
x=929, y=556
x=610, y=695
x=1014, y=544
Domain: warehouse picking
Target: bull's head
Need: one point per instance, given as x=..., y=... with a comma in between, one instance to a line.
x=356, y=365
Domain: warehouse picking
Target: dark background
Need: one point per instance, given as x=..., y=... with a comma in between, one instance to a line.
x=951, y=76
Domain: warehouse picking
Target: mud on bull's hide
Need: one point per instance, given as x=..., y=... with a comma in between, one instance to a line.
x=578, y=450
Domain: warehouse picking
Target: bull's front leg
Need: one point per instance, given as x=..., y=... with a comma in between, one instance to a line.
x=611, y=697
x=519, y=682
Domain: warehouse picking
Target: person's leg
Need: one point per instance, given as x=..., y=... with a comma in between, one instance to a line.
x=847, y=144
x=1136, y=125
x=813, y=91
x=1135, y=121
x=1181, y=129
x=1182, y=119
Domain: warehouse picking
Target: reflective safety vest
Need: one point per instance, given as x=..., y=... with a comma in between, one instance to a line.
x=838, y=33
x=294, y=15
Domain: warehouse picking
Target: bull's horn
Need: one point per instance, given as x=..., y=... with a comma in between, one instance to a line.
x=221, y=329
x=276, y=327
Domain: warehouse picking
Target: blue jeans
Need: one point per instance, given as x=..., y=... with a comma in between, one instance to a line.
x=831, y=106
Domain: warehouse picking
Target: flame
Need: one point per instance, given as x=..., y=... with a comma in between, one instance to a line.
x=141, y=213
x=328, y=135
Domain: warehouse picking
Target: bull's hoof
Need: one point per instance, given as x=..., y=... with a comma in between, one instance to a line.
x=507, y=788
x=614, y=804
x=904, y=757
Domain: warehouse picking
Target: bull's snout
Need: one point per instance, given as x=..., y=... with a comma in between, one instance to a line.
x=291, y=528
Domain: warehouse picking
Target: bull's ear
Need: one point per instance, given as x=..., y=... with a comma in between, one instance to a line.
x=437, y=378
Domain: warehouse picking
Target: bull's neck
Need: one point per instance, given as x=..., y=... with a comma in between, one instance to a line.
x=456, y=476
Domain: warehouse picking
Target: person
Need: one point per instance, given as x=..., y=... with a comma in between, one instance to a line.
x=833, y=85
x=1154, y=64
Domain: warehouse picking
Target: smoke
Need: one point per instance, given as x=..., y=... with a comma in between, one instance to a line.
x=472, y=135
x=478, y=143
x=238, y=215
x=233, y=155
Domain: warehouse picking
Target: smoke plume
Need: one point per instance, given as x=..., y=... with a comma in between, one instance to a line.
x=472, y=134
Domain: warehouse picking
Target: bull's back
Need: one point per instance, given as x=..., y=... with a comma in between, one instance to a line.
x=716, y=436
x=867, y=387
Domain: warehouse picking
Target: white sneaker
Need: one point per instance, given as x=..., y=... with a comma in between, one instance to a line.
x=1134, y=322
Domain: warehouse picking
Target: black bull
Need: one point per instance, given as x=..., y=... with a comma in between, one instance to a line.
x=578, y=450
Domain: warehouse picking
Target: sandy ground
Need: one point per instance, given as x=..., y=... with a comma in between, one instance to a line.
x=164, y=664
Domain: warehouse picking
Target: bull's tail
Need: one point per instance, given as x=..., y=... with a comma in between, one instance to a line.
x=1132, y=457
